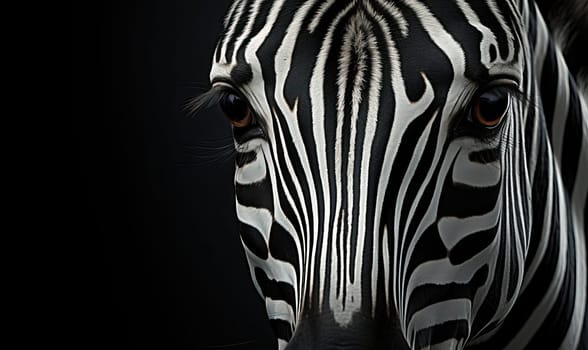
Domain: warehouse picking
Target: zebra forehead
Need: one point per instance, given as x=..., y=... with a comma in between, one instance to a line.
x=249, y=17
x=259, y=27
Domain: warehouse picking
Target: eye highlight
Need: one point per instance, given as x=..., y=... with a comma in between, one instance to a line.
x=236, y=109
x=490, y=106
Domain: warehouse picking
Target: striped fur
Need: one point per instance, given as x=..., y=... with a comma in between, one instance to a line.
x=372, y=215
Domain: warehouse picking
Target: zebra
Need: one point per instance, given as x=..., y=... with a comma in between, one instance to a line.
x=409, y=174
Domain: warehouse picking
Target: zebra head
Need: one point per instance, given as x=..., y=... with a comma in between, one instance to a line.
x=386, y=165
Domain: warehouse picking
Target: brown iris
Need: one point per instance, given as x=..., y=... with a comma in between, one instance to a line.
x=490, y=107
x=236, y=110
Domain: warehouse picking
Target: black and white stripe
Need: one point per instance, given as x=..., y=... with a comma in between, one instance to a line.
x=373, y=215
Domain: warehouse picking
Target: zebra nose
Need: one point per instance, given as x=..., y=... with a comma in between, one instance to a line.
x=362, y=333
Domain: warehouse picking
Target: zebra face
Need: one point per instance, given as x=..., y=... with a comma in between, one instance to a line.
x=381, y=178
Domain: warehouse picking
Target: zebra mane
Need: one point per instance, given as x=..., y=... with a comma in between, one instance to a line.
x=568, y=21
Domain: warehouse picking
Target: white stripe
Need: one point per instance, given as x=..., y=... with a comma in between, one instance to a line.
x=318, y=112
x=506, y=29
x=259, y=218
x=229, y=35
x=279, y=310
x=354, y=43
x=488, y=37
x=449, y=344
x=544, y=239
x=442, y=271
x=230, y=13
x=319, y=15
x=252, y=172
x=452, y=230
x=560, y=111
x=438, y=313
x=395, y=13
x=370, y=130
x=251, y=16
x=386, y=264
x=475, y=174
x=282, y=65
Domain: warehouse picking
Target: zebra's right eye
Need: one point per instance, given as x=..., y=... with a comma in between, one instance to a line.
x=490, y=107
x=236, y=110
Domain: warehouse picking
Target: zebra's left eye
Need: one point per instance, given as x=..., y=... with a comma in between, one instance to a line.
x=490, y=107
x=236, y=109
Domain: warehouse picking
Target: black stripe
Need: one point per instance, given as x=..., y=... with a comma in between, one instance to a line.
x=274, y=289
x=243, y=158
x=421, y=208
x=257, y=195
x=488, y=19
x=471, y=245
x=468, y=37
x=405, y=152
x=434, y=64
x=429, y=247
x=548, y=90
x=572, y=140
x=223, y=36
x=283, y=247
x=282, y=329
x=513, y=275
x=539, y=198
x=259, y=21
x=254, y=241
x=429, y=294
x=492, y=301
x=240, y=26
x=485, y=156
x=298, y=171
x=473, y=201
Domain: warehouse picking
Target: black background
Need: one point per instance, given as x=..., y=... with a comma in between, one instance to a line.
x=159, y=262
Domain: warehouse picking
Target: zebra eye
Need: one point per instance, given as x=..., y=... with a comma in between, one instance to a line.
x=236, y=110
x=490, y=107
